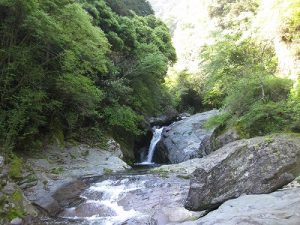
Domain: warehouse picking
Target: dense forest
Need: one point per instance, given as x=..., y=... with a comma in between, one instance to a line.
x=79, y=70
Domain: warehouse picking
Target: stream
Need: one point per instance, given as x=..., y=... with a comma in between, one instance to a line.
x=137, y=196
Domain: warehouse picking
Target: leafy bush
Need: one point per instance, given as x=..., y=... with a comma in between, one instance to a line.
x=240, y=78
x=123, y=117
x=264, y=118
x=248, y=92
x=15, y=170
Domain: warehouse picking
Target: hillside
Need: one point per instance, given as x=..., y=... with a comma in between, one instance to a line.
x=191, y=24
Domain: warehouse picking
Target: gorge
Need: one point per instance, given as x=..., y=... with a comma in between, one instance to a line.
x=151, y=112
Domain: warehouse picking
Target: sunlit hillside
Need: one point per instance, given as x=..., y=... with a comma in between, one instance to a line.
x=273, y=22
x=190, y=26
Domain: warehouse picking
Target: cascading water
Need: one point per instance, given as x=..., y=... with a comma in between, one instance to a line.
x=156, y=138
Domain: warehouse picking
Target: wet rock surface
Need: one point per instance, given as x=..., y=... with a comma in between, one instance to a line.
x=255, y=166
x=186, y=139
x=131, y=199
x=54, y=173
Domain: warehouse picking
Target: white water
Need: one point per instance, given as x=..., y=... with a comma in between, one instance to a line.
x=113, y=191
x=156, y=138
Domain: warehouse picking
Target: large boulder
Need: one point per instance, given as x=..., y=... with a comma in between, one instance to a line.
x=278, y=208
x=255, y=166
x=186, y=139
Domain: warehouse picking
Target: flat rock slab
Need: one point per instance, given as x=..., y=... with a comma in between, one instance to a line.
x=254, y=166
x=278, y=208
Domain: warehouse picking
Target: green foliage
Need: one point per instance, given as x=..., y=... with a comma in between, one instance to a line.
x=66, y=66
x=124, y=7
x=79, y=93
x=248, y=92
x=57, y=170
x=232, y=60
x=123, y=117
x=240, y=77
x=218, y=120
x=15, y=170
x=41, y=51
x=186, y=89
x=264, y=118
x=290, y=27
x=294, y=108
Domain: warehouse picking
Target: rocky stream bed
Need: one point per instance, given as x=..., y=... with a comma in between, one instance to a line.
x=221, y=181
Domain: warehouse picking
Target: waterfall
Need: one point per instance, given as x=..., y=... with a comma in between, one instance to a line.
x=155, y=139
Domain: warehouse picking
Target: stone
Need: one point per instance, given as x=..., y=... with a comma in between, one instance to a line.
x=50, y=191
x=278, y=208
x=164, y=120
x=16, y=221
x=254, y=166
x=115, y=148
x=186, y=139
x=9, y=188
x=182, y=116
x=69, y=192
x=226, y=137
x=48, y=204
x=1, y=161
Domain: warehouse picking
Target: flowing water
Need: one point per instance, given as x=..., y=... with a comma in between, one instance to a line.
x=157, y=132
x=156, y=138
x=136, y=197
x=133, y=199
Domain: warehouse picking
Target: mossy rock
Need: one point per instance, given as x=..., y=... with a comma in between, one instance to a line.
x=15, y=170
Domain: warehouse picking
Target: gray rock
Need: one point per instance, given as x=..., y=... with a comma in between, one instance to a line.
x=115, y=148
x=226, y=137
x=278, y=208
x=186, y=139
x=182, y=116
x=162, y=120
x=1, y=161
x=255, y=166
x=9, y=188
x=69, y=192
x=57, y=173
x=48, y=204
x=16, y=221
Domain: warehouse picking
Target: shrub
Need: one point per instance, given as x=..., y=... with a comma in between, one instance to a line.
x=123, y=117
